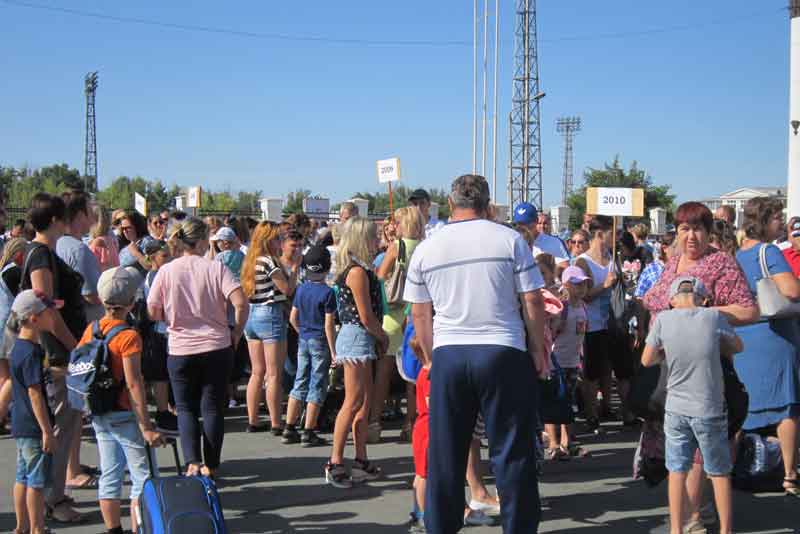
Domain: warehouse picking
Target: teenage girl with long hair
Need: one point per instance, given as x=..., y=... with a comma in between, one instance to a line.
x=268, y=287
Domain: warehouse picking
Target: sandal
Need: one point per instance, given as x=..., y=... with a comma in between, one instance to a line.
x=794, y=487
x=193, y=470
x=90, y=470
x=91, y=483
x=550, y=454
x=61, y=512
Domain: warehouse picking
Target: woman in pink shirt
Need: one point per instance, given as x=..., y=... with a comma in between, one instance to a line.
x=191, y=295
x=104, y=244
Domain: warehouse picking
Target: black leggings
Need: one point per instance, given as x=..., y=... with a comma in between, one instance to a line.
x=200, y=384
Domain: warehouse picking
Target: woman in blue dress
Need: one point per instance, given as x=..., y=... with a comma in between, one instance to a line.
x=770, y=365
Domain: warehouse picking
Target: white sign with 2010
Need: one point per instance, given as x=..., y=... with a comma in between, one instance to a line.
x=615, y=201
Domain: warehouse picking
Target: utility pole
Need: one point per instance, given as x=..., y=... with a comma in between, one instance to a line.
x=793, y=190
x=568, y=127
x=90, y=145
x=525, y=167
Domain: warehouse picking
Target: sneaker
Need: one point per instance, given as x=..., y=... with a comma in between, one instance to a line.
x=166, y=422
x=417, y=527
x=476, y=518
x=374, y=433
x=485, y=507
x=364, y=470
x=336, y=475
x=291, y=435
x=277, y=431
x=311, y=439
x=593, y=425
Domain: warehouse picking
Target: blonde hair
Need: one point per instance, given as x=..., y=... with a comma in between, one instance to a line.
x=263, y=234
x=187, y=234
x=101, y=227
x=357, y=234
x=117, y=215
x=410, y=222
x=11, y=249
x=640, y=230
x=336, y=233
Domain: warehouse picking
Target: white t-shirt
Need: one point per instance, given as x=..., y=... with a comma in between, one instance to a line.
x=432, y=227
x=598, y=309
x=473, y=271
x=551, y=245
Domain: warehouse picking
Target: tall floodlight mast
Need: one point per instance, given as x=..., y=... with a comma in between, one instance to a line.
x=525, y=164
x=568, y=127
x=90, y=145
x=793, y=190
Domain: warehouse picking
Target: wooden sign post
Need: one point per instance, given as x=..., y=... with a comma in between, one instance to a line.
x=615, y=202
x=388, y=172
x=194, y=198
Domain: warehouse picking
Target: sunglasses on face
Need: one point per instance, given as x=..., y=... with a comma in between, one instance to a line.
x=125, y=228
x=577, y=241
x=159, y=222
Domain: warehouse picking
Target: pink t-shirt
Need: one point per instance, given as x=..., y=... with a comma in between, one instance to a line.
x=193, y=292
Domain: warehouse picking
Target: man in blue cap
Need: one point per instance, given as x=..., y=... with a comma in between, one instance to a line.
x=526, y=215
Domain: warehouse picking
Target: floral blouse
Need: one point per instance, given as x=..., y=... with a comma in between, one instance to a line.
x=718, y=271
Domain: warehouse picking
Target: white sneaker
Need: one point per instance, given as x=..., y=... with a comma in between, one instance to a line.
x=485, y=507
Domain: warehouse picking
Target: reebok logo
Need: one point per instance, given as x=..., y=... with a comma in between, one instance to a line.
x=80, y=368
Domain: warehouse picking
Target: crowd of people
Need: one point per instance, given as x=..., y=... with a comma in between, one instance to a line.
x=494, y=330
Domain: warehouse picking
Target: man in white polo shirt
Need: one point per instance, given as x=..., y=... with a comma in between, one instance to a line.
x=485, y=341
x=526, y=215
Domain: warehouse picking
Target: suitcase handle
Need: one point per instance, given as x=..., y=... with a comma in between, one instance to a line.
x=149, y=452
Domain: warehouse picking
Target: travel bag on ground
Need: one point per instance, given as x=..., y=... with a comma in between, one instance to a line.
x=180, y=504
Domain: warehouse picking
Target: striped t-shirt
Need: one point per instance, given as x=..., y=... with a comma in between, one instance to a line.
x=265, y=291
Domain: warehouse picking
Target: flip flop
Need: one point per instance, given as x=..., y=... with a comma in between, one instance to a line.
x=90, y=470
x=91, y=483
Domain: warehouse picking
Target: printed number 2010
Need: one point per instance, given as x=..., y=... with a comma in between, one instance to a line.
x=614, y=200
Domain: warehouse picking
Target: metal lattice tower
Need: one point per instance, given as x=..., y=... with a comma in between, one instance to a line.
x=90, y=146
x=568, y=127
x=525, y=167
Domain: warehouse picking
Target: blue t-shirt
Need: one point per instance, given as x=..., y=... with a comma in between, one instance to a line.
x=313, y=300
x=748, y=261
x=27, y=370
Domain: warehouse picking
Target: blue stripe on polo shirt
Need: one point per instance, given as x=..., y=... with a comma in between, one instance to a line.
x=525, y=269
x=467, y=262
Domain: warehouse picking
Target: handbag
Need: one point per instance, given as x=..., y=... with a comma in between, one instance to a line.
x=396, y=284
x=771, y=301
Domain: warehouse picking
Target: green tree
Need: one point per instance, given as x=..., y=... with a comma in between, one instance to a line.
x=614, y=175
x=294, y=201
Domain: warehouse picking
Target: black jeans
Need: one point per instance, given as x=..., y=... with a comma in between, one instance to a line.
x=200, y=383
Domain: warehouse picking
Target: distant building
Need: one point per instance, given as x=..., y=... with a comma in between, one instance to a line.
x=739, y=198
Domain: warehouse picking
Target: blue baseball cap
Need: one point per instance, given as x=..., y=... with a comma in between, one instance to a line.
x=525, y=213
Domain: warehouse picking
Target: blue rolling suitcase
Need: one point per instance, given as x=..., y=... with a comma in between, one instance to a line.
x=180, y=504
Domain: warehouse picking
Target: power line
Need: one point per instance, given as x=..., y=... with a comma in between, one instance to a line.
x=376, y=42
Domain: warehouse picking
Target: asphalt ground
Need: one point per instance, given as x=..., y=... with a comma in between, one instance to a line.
x=269, y=487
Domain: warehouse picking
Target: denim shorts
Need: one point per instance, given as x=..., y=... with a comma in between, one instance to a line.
x=34, y=466
x=354, y=344
x=313, y=365
x=684, y=435
x=267, y=323
x=120, y=444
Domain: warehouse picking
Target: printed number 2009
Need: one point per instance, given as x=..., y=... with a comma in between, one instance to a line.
x=614, y=200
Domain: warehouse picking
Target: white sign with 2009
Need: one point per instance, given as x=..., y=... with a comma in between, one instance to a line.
x=388, y=170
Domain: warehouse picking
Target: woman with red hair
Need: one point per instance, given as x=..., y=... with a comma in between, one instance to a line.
x=726, y=285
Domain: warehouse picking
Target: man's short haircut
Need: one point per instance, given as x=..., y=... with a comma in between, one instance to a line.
x=600, y=223
x=45, y=208
x=470, y=191
x=75, y=203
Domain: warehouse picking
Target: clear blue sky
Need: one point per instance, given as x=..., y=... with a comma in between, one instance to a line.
x=703, y=109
